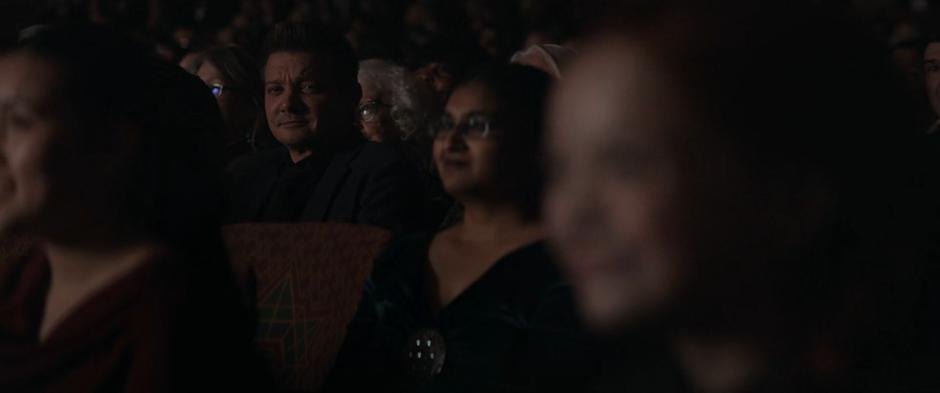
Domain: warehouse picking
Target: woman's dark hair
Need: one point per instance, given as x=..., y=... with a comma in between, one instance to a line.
x=236, y=66
x=520, y=94
x=113, y=84
x=240, y=70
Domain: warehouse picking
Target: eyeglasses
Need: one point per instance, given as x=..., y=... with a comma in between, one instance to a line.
x=217, y=88
x=472, y=127
x=369, y=111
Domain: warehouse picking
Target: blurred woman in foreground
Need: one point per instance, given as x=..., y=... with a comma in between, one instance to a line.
x=739, y=180
x=109, y=163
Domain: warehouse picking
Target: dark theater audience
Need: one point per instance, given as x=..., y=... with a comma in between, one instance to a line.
x=108, y=164
x=325, y=171
x=480, y=306
x=732, y=186
x=694, y=196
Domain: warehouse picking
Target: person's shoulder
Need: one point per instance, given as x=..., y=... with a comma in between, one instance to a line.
x=372, y=156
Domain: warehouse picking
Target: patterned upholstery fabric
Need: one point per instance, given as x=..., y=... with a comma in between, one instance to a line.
x=309, y=280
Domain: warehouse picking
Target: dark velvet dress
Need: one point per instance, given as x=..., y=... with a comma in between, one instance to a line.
x=513, y=330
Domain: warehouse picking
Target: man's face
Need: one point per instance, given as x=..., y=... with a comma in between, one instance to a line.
x=303, y=101
x=932, y=75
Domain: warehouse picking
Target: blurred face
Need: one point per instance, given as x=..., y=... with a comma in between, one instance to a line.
x=235, y=105
x=465, y=144
x=437, y=79
x=303, y=101
x=932, y=75
x=374, y=115
x=615, y=202
x=45, y=186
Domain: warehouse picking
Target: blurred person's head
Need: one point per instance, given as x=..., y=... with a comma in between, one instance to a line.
x=931, y=64
x=497, y=24
x=190, y=61
x=102, y=141
x=438, y=77
x=164, y=46
x=548, y=57
x=419, y=18
x=394, y=106
x=303, y=12
x=487, y=143
x=688, y=187
x=549, y=21
x=374, y=39
x=311, y=90
x=444, y=61
x=233, y=78
x=907, y=46
x=196, y=46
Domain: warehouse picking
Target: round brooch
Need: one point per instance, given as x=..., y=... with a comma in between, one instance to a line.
x=424, y=354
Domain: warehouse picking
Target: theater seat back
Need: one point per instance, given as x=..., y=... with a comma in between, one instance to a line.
x=308, y=280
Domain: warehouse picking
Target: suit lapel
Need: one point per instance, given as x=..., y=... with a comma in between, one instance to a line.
x=318, y=208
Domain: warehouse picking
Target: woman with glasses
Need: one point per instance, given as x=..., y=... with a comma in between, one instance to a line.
x=233, y=78
x=478, y=306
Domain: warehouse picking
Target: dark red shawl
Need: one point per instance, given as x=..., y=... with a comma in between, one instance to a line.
x=153, y=330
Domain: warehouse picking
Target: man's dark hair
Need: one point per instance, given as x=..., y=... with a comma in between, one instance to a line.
x=328, y=45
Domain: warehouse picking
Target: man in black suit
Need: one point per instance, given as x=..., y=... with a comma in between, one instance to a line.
x=325, y=171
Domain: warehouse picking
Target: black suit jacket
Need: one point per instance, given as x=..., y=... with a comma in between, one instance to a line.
x=367, y=184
